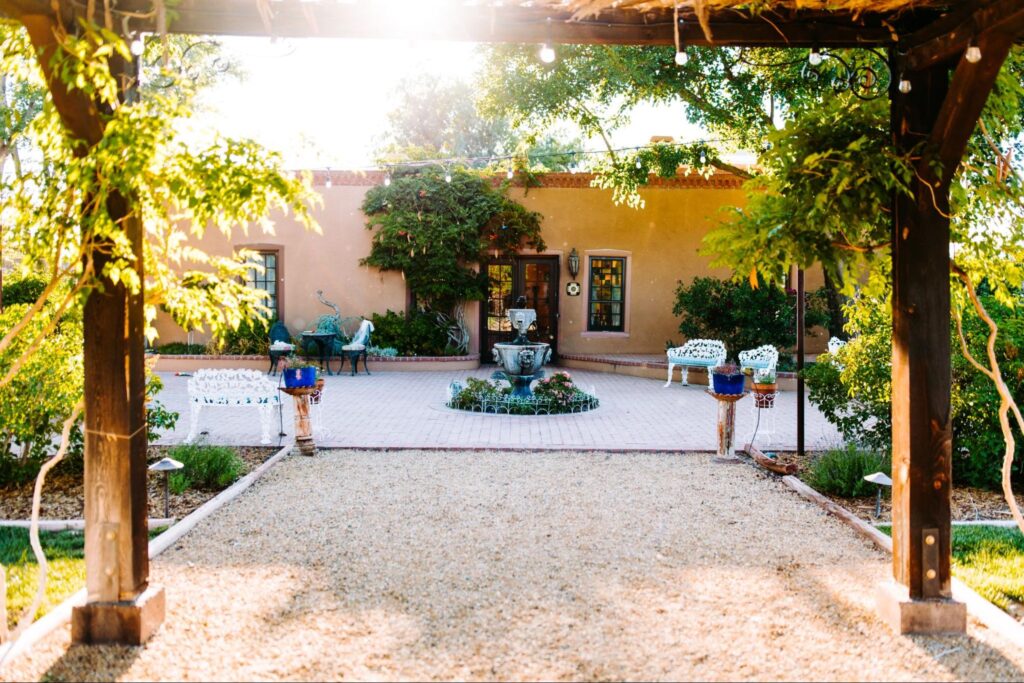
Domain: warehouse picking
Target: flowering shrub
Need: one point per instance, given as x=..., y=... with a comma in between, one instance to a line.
x=551, y=396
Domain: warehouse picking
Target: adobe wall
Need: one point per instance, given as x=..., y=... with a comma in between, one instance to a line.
x=661, y=242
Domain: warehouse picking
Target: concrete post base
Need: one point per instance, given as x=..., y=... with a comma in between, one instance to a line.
x=121, y=623
x=904, y=615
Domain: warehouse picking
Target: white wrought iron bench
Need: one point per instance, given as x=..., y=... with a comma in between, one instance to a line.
x=764, y=357
x=229, y=389
x=700, y=353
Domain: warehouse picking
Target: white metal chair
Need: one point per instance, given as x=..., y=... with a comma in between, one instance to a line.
x=764, y=357
x=701, y=353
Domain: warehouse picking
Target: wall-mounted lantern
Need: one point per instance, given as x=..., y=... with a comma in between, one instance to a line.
x=574, y=263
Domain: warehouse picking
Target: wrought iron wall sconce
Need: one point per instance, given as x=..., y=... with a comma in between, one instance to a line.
x=574, y=263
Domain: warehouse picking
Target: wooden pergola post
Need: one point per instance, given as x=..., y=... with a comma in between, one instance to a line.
x=934, y=120
x=121, y=607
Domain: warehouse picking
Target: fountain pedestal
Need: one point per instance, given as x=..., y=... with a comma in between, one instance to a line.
x=522, y=361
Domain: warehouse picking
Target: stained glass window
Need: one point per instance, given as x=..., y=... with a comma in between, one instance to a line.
x=607, y=294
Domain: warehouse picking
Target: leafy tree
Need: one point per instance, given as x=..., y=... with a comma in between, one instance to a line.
x=438, y=119
x=58, y=219
x=434, y=232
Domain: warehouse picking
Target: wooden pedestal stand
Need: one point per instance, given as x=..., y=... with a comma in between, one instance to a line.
x=726, y=426
x=303, y=428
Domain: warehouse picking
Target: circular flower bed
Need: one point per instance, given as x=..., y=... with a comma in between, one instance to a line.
x=553, y=395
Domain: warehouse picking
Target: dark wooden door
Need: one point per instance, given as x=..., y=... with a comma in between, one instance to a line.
x=533, y=277
x=537, y=280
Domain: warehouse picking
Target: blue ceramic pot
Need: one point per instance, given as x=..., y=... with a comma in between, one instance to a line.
x=295, y=378
x=727, y=384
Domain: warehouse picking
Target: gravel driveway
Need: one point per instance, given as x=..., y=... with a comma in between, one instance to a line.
x=455, y=565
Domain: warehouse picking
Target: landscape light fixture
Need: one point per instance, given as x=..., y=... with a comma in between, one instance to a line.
x=574, y=263
x=879, y=479
x=167, y=465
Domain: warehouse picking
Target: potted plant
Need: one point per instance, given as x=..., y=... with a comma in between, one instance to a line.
x=298, y=373
x=765, y=388
x=727, y=379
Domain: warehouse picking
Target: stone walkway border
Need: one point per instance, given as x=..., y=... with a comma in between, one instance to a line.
x=977, y=606
x=61, y=614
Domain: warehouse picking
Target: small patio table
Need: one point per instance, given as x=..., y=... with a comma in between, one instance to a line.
x=325, y=344
x=726, y=426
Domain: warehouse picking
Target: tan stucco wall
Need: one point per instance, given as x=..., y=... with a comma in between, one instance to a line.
x=661, y=242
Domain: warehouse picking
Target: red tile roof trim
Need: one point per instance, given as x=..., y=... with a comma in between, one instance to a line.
x=392, y=359
x=694, y=181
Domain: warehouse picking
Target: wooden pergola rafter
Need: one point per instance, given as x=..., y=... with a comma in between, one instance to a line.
x=925, y=41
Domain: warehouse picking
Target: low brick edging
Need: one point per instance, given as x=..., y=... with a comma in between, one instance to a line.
x=191, y=362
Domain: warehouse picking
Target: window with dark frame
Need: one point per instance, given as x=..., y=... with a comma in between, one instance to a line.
x=267, y=280
x=607, y=303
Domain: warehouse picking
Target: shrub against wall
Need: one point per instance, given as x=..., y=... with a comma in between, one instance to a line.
x=741, y=316
x=417, y=334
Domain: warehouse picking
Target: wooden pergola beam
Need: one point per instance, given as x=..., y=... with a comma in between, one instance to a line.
x=950, y=35
x=511, y=23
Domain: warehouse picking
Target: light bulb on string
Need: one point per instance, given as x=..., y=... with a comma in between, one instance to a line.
x=328, y=182
x=638, y=164
x=682, y=58
x=138, y=46
x=904, y=85
x=387, y=180
x=547, y=54
x=447, y=176
x=815, y=57
x=973, y=53
x=510, y=174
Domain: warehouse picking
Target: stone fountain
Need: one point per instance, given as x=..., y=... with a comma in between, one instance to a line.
x=522, y=361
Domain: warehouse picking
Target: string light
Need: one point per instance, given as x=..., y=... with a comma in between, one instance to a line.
x=511, y=174
x=447, y=175
x=547, y=53
x=904, y=86
x=387, y=180
x=638, y=164
x=328, y=183
x=815, y=57
x=138, y=47
x=973, y=54
x=681, y=57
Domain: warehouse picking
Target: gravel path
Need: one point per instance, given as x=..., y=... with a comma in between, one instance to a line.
x=448, y=565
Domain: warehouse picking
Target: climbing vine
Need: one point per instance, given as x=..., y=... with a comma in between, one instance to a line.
x=434, y=230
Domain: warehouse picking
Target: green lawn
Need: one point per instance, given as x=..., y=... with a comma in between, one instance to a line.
x=64, y=554
x=990, y=560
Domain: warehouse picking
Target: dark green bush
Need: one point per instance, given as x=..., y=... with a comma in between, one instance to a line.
x=206, y=467
x=841, y=471
x=740, y=316
x=22, y=290
x=417, y=334
x=181, y=349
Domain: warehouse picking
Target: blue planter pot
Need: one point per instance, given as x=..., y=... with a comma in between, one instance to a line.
x=295, y=378
x=727, y=384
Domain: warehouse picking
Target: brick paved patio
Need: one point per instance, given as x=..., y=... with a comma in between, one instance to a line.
x=406, y=410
